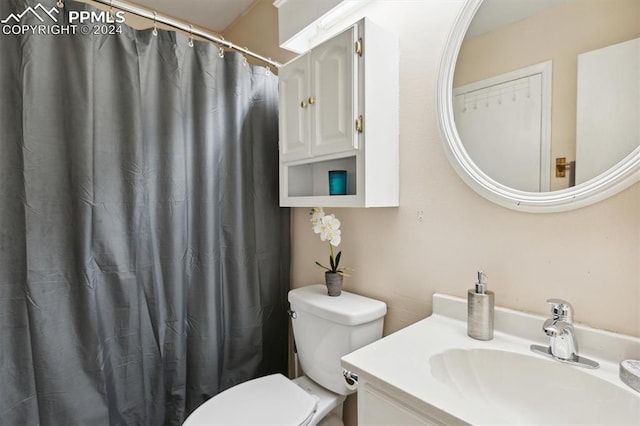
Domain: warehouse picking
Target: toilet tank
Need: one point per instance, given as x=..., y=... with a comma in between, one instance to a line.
x=326, y=328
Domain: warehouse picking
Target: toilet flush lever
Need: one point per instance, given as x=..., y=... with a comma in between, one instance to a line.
x=350, y=378
x=292, y=314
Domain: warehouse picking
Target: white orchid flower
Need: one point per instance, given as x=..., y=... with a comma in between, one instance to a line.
x=316, y=217
x=329, y=234
x=328, y=226
x=318, y=228
x=335, y=238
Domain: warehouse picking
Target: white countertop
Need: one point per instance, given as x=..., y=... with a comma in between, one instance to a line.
x=401, y=361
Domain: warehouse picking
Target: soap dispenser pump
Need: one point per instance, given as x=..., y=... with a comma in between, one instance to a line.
x=480, y=310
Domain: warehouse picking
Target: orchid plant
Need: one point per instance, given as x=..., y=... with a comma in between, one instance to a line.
x=328, y=226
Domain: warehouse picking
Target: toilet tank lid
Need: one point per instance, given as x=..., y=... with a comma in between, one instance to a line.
x=346, y=309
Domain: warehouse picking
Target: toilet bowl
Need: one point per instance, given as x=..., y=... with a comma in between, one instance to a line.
x=325, y=329
x=271, y=400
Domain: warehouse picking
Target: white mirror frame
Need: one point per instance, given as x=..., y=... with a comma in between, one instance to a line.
x=619, y=177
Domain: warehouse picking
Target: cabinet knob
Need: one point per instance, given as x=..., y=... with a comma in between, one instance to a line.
x=303, y=104
x=312, y=100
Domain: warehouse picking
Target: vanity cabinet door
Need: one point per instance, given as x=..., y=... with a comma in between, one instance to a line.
x=380, y=405
x=376, y=408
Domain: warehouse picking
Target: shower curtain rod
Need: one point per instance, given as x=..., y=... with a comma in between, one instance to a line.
x=183, y=26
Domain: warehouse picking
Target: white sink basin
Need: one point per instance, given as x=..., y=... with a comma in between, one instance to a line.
x=435, y=372
x=528, y=389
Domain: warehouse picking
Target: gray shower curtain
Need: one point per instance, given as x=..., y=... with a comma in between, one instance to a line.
x=143, y=255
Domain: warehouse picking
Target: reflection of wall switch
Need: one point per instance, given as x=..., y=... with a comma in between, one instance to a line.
x=420, y=215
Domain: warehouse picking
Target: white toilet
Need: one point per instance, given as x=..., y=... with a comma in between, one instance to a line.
x=325, y=328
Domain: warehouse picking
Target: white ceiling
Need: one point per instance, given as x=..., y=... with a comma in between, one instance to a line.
x=215, y=15
x=497, y=13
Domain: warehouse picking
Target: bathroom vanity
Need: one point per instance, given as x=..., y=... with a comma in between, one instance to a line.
x=433, y=373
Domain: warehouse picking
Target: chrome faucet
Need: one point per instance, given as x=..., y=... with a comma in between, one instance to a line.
x=563, y=344
x=559, y=328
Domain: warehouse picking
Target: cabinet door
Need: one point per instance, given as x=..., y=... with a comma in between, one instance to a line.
x=294, y=109
x=378, y=408
x=333, y=97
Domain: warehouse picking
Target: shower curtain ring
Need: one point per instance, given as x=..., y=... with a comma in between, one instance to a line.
x=155, y=24
x=220, y=49
x=245, y=62
x=269, y=67
x=190, y=35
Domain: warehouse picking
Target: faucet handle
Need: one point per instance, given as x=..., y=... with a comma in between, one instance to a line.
x=561, y=309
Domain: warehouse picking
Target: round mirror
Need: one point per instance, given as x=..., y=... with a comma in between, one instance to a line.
x=540, y=111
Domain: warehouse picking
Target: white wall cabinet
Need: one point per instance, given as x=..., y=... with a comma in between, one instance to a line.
x=339, y=111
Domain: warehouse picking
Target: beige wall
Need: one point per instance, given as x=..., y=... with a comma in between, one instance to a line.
x=589, y=256
x=558, y=34
x=258, y=30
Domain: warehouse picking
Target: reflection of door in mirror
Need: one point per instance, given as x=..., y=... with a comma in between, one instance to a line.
x=504, y=121
x=507, y=35
x=608, y=80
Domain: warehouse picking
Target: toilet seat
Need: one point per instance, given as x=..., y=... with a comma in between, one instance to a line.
x=268, y=400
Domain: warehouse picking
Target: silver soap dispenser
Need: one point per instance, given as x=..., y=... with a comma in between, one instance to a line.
x=480, y=310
